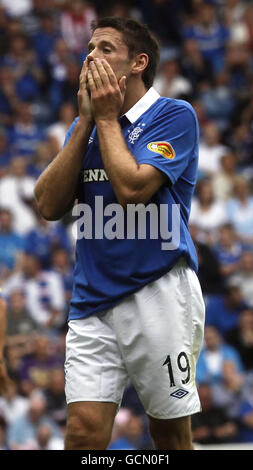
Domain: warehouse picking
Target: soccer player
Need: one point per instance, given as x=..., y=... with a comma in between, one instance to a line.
x=137, y=310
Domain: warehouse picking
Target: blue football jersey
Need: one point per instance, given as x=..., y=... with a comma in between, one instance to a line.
x=161, y=132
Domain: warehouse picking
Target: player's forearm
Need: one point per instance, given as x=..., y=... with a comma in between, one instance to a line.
x=121, y=167
x=56, y=188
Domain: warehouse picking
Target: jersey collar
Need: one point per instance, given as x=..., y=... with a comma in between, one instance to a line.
x=142, y=105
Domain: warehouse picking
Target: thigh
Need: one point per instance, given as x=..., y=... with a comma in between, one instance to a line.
x=160, y=330
x=172, y=434
x=89, y=425
x=94, y=370
x=91, y=415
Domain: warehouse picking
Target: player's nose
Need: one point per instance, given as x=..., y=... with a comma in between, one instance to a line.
x=92, y=56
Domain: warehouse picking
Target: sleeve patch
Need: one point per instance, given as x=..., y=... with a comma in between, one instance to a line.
x=164, y=148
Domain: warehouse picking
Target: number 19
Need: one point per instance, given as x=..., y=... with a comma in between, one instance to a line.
x=183, y=365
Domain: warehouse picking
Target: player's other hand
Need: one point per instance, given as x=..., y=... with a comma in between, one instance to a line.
x=83, y=95
x=107, y=93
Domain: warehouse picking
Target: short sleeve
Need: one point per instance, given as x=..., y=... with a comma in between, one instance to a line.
x=70, y=131
x=170, y=142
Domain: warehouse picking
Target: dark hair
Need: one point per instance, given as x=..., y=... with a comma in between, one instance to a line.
x=138, y=38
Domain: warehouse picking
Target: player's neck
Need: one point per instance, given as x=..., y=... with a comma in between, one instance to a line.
x=134, y=92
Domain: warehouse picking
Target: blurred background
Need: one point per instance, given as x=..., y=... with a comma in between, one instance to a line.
x=206, y=59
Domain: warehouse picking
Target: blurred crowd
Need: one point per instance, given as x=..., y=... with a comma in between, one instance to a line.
x=206, y=59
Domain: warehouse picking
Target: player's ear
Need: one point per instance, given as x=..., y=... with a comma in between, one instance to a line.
x=140, y=63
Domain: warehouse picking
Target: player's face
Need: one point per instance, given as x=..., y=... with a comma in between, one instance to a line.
x=108, y=43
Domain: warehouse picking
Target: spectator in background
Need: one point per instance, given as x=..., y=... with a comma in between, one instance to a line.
x=16, y=194
x=58, y=63
x=23, y=431
x=209, y=270
x=241, y=338
x=21, y=7
x=45, y=38
x=31, y=21
x=240, y=139
x=55, y=396
x=45, y=439
x=222, y=311
x=194, y=65
x=20, y=326
x=244, y=277
x=212, y=357
x=3, y=444
x=4, y=379
x=211, y=35
x=212, y=425
x=203, y=119
x=22, y=60
x=234, y=11
x=5, y=154
x=44, y=238
x=13, y=361
x=61, y=264
x=43, y=156
x=246, y=419
x=65, y=90
x=211, y=150
x=164, y=18
x=131, y=400
x=57, y=131
x=3, y=28
x=9, y=99
x=170, y=82
x=240, y=210
x=76, y=26
x=228, y=250
x=128, y=431
x=13, y=405
x=228, y=394
x=71, y=84
x=224, y=180
x=35, y=368
x=11, y=244
x=207, y=213
x=120, y=8
x=25, y=135
x=13, y=29
x=248, y=18
x=44, y=294
x=219, y=100
x=238, y=69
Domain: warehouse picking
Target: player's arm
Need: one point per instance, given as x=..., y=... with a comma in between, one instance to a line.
x=56, y=188
x=132, y=183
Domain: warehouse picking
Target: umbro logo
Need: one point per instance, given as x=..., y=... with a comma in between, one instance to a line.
x=179, y=393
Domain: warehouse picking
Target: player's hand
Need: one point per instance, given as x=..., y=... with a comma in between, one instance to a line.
x=107, y=93
x=83, y=95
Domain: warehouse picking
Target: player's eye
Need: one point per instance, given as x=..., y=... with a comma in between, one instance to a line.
x=107, y=50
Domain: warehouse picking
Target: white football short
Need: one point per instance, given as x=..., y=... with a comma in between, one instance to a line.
x=153, y=337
